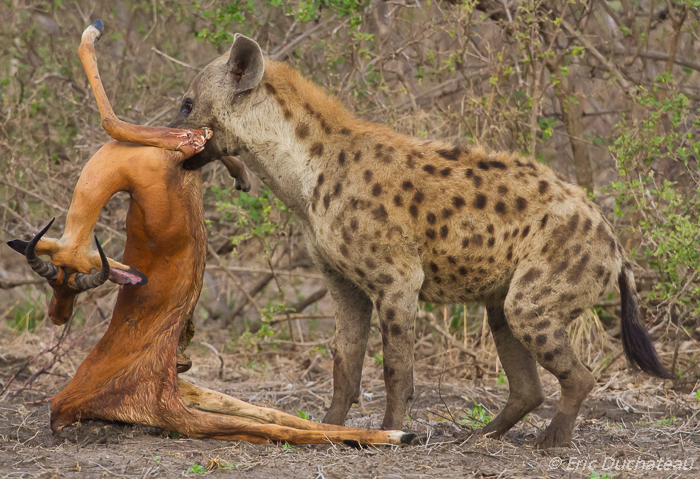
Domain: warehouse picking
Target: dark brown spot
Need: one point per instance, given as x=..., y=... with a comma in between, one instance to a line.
x=344, y=251
x=490, y=229
x=380, y=213
x=573, y=223
x=308, y=109
x=345, y=131
x=431, y=218
x=446, y=171
x=458, y=202
x=321, y=178
x=519, y=296
x=527, y=338
x=376, y=189
x=491, y=242
x=520, y=203
x=515, y=232
x=463, y=271
x=418, y=197
x=587, y=225
x=327, y=200
x=430, y=169
x=270, y=89
x=443, y=231
x=434, y=267
x=353, y=224
x=407, y=185
x=287, y=114
x=316, y=149
x=413, y=210
x=368, y=175
x=390, y=314
x=497, y=164
x=347, y=239
x=389, y=259
x=577, y=271
x=599, y=272
x=341, y=157
x=337, y=188
x=384, y=278
x=301, y=131
x=560, y=267
x=492, y=259
x=359, y=272
x=469, y=172
x=506, y=235
x=543, y=221
x=357, y=156
x=502, y=189
x=477, y=240
x=446, y=213
x=542, y=324
x=483, y=165
x=548, y=356
x=480, y=202
x=531, y=275
x=371, y=264
x=526, y=231
x=543, y=187
x=373, y=248
x=452, y=260
x=500, y=208
x=452, y=155
x=430, y=233
x=398, y=201
x=541, y=339
x=465, y=242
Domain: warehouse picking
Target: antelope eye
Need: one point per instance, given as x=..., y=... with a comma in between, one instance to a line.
x=186, y=107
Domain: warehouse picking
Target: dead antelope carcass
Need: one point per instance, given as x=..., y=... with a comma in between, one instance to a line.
x=131, y=375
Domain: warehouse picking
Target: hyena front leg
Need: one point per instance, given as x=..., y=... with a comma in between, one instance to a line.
x=396, y=301
x=353, y=311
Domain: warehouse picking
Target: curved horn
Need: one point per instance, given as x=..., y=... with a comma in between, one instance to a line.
x=84, y=281
x=38, y=265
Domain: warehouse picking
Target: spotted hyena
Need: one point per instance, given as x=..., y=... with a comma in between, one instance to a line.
x=391, y=220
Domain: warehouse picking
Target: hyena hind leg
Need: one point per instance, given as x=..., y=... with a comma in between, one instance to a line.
x=540, y=324
x=525, y=392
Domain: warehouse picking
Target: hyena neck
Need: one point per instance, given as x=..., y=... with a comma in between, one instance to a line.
x=294, y=133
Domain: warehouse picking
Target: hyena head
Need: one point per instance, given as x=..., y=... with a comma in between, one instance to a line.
x=221, y=97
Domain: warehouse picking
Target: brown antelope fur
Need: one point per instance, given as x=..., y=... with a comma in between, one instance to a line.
x=131, y=375
x=391, y=220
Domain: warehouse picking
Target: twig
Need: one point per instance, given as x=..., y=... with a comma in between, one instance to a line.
x=631, y=90
x=174, y=60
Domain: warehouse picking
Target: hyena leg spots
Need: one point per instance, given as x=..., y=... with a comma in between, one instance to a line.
x=576, y=382
x=397, y=306
x=541, y=330
x=353, y=310
x=521, y=369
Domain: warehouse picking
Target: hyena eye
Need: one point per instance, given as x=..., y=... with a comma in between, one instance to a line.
x=186, y=107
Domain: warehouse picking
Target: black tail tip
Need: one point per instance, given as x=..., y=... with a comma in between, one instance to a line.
x=99, y=25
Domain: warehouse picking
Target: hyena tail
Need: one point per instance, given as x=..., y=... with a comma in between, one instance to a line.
x=638, y=348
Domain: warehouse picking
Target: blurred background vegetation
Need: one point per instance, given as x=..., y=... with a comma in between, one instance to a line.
x=607, y=93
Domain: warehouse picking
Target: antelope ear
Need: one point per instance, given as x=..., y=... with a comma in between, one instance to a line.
x=246, y=63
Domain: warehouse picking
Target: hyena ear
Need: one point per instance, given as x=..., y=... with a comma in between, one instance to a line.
x=246, y=63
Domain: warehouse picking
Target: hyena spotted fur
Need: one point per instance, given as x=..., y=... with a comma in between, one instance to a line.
x=391, y=220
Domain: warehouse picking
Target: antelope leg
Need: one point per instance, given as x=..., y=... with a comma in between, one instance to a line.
x=188, y=142
x=272, y=424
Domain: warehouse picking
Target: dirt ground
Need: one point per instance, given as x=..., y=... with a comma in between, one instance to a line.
x=631, y=426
